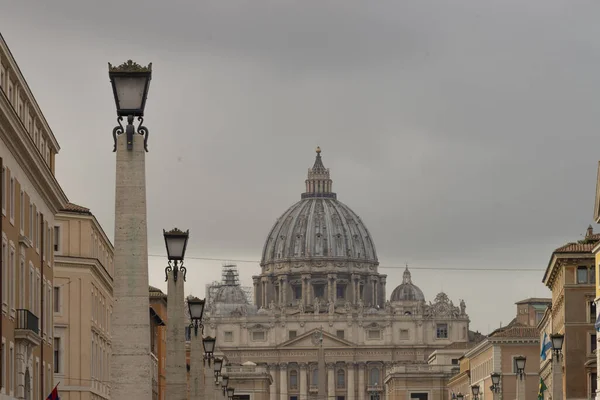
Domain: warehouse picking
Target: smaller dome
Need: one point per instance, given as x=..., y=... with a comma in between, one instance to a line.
x=407, y=291
x=231, y=295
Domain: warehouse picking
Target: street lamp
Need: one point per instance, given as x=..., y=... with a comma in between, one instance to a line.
x=217, y=367
x=230, y=392
x=209, y=348
x=520, y=365
x=475, y=391
x=196, y=307
x=176, y=243
x=495, y=382
x=557, y=344
x=224, y=383
x=130, y=83
x=460, y=396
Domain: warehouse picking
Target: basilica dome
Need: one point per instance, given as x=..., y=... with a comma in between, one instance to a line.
x=319, y=226
x=230, y=292
x=407, y=291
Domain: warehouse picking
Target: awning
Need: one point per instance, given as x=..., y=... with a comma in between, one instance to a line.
x=156, y=317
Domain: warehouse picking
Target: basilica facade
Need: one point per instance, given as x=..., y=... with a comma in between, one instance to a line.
x=319, y=294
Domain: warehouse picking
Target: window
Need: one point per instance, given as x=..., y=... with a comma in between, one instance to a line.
x=12, y=263
x=31, y=288
x=315, y=377
x=340, y=292
x=5, y=272
x=31, y=218
x=22, y=280
x=341, y=379
x=293, y=379
x=228, y=336
x=404, y=334
x=22, y=212
x=57, y=299
x=292, y=334
x=319, y=291
x=419, y=396
x=56, y=355
x=582, y=275
x=593, y=384
x=57, y=238
x=340, y=334
x=297, y=290
x=442, y=331
x=592, y=274
x=3, y=191
x=258, y=336
x=374, y=334
x=3, y=361
x=538, y=316
x=455, y=361
x=591, y=311
x=11, y=368
x=592, y=343
x=11, y=200
x=374, y=377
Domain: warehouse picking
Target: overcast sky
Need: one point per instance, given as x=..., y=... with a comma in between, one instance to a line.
x=465, y=133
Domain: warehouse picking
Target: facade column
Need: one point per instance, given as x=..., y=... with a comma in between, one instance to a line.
x=176, y=369
x=331, y=381
x=557, y=378
x=382, y=286
x=283, y=380
x=361, y=381
x=334, y=297
x=303, y=280
x=197, y=381
x=265, y=303
x=284, y=291
x=273, y=387
x=257, y=298
x=303, y=381
x=329, y=285
x=130, y=363
x=309, y=290
x=350, y=381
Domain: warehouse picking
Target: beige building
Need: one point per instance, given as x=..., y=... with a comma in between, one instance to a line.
x=82, y=305
x=30, y=197
x=319, y=271
x=496, y=354
x=571, y=276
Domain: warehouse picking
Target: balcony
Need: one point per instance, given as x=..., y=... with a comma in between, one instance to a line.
x=27, y=328
x=375, y=388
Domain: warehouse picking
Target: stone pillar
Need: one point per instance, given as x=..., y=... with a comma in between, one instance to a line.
x=197, y=382
x=334, y=297
x=265, y=288
x=284, y=292
x=361, y=381
x=521, y=386
x=130, y=364
x=273, y=387
x=176, y=369
x=303, y=381
x=353, y=283
x=257, y=298
x=329, y=288
x=557, y=378
x=283, y=381
x=331, y=381
x=350, y=381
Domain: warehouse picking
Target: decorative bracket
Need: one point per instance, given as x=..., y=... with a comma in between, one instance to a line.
x=130, y=130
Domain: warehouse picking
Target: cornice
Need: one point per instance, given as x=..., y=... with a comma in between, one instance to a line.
x=22, y=149
x=91, y=264
x=479, y=348
x=513, y=340
x=16, y=71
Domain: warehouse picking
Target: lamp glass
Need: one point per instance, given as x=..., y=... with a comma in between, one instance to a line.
x=495, y=378
x=176, y=242
x=130, y=91
x=460, y=396
x=218, y=364
x=196, y=307
x=557, y=341
x=475, y=390
x=209, y=344
x=230, y=392
x=520, y=363
x=224, y=380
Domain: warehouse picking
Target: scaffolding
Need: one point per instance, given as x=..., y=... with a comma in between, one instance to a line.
x=229, y=277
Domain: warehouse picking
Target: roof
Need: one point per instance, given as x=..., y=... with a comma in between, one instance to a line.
x=74, y=208
x=516, y=330
x=535, y=300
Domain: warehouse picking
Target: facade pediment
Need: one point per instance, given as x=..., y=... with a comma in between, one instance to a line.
x=308, y=340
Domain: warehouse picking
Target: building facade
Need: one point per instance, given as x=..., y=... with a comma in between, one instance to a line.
x=571, y=276
x=158, y=341
x=319, y=276
x=82, y=305
x=30, y=197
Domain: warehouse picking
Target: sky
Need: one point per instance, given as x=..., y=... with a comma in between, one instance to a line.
x=464, y=133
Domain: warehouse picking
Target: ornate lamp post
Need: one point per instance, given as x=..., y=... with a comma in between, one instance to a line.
x=557, y=341
x=209, y=348
x=475, y=391
x=495, y=387
x=218, y=365
x=131, y=365
x=176, y=244
x=130, y=83
x=230, y=392
x=199, y=347
x=520, y=372
x=224, y=383
x=460, y=396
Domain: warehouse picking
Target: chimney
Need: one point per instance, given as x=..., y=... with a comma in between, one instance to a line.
x=590, y=231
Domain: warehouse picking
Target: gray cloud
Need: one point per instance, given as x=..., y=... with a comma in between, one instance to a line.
x=463, y=133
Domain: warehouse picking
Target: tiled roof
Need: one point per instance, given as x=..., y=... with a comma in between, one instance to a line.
x=576, y=248
x=516, y=330
x=74, y=208
x=535, y=300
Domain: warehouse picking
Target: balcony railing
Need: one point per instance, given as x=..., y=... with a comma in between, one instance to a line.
x=27, y=321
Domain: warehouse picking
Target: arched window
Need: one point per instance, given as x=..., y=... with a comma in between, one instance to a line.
x=315, y=377
x=374, y=377
x=293, y=379
x=341, y=379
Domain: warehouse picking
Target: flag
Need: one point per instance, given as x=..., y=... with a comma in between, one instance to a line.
x=541, y=390
x=54, y=394
x=546, y=345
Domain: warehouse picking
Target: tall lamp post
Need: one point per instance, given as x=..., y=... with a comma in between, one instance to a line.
x=199, y=347
x=176, y=244
x=520, y=372
x=557, y=341
x=495, y=387
x=130, y=365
